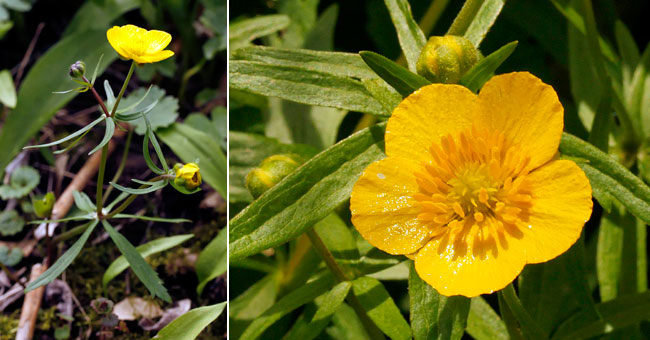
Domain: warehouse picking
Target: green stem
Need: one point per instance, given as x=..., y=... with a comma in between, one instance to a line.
x=96, y=95
x=126, y=82
x=529, y=327
x=100, y=180
x=120, y=169
x=465, y=17
x=130, y=199
x=326, y=255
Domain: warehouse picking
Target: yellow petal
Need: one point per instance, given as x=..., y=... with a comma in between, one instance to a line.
x=454, y=266
x=116, y=38
x=383, y=209
x=526, y=110
x=156, y=40
x=152, y=58
x=561, y=205
x=425, y=116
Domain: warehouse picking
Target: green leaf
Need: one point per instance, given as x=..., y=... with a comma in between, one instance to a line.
x=10, y=257
x=10, y=223
x=23, y=180
x=606, y=174
x=64, y=261
x=83, y=202
x=306, y=196
x=108, y=134
x=434, y=316
x=110, y=96
x=483, y=323
x=381, y=308
x=247, y=151
x=145, y=250
x=98, y=15
x=49, y=74
x=147, y=156
x=288, y=303
x=163, y=114
x=79, y=132
x=609, y=252
x=616, y=314
x=153, y=219
x=387, y=96
x=329, y=304
x=480, y=73
x=190, y=144
x=242, y=33
x=529, y=328
x=134, y=105
x=7, y=89
x=154, y=186
x=349, y=65
x=401, y=79
x=189, y=325
x=410, y=36
x=213, y=260
x=303, y=86
x=475, y=19
x=140, y=267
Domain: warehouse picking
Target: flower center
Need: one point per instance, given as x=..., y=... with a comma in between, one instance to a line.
x=476, y=179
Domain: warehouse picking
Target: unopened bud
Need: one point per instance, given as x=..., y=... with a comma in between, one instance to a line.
x=187, y=176
x=271, y=171
x=78, y=69
x=446, y=59
x=43, y=206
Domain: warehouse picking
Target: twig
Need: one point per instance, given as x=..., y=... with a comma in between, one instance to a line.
x=28, y=54
x=31, y=305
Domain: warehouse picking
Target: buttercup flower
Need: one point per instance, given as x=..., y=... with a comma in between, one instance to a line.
x=188, y=176
x=133, y=42
x=470, y=189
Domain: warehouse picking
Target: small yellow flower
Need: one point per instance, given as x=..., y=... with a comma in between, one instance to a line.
x=188, y=176
x=133, y=42
x=471, y=189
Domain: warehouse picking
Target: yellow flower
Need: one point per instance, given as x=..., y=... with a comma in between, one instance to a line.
x=188, y=176
x=133, y=42
x=470, y=189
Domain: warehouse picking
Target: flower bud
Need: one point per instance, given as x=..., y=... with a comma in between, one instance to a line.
x=271, y=171
x=187, y=176
x=78, y=69
x=43, y=206
x=446, y=59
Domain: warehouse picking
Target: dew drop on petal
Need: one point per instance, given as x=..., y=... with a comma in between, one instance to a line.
x=381, y=176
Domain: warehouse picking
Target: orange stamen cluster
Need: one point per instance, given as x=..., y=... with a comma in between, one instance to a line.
x=475, y=186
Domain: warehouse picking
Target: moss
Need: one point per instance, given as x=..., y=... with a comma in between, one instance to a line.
x=9, y=325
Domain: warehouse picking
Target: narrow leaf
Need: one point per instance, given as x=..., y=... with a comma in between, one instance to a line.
x=529, y=328
x=329, y=304
x=7, y=89
x=381, y=308
x=189, y=325
x=245, y=31
x=154, y=186
x=475, y=19
x=410, y=36
x=110, y=96
x=303, y=86
x=434, y=316
x=401, y=79
x=288, y=303
x=64, y=261
x=616, y=314
x=140, y=267
x=480, y=73
x=153, y=219
x=213, y=260
x=483, y=323
x=145, y=250
x=147, y=156
x=69, y=137
x=83, y=202
x=108, y=134
x=306, y=196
